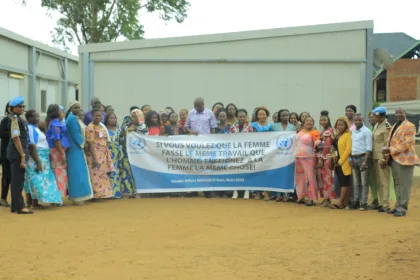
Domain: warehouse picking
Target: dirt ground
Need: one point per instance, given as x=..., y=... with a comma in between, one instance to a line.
x=198, y=238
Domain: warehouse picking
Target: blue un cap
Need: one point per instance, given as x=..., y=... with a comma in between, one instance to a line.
x=18, y=100
x=379, y=111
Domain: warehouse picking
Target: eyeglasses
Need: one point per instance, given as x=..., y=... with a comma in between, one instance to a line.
x=21, y=106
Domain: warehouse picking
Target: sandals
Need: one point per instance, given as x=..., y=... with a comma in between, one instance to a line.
x=300, y=201
x=325, y=203
x=336, y=206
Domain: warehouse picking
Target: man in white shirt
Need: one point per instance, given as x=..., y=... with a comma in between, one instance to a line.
x=361, y=152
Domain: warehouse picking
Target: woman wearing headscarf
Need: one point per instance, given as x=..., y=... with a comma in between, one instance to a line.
x=99, y=157
x=62, y=115
x=80, y=188
x=40, y=184
x=5, y=164
x=127, y=119
x=58, y=143
x=17, y=154
x=128, y=187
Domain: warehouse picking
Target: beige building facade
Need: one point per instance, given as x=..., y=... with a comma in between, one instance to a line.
x=41, y=74
x=308, y=68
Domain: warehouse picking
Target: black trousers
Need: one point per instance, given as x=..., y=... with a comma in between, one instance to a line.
x=18, y=179
x=6, y=178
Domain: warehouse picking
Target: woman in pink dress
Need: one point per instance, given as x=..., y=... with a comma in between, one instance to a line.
x=324, y=171
x=306, y=186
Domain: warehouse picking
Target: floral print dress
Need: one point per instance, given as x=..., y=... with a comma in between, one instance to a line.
x=117, y=157
x=41, y=185
x=325, y=178
x=97, y=136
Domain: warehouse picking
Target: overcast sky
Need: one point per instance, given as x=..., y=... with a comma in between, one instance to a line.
x=217, y=16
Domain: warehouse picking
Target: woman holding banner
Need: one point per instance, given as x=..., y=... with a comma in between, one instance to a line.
x=261, y=124
x=242, y=126
x=128, y=187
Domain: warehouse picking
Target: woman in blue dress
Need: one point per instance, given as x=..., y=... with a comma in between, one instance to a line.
x=80, y=188
x=261, y=124
x=40, y=184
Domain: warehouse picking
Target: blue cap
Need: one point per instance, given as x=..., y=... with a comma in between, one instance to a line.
x=16, y=101
x=379, y=111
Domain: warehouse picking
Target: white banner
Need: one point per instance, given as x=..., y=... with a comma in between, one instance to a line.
x=249, y=161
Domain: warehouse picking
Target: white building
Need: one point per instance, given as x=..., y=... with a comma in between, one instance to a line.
x=41, y=74
x=307, y=68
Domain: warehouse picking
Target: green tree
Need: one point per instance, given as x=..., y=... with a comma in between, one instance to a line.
x=97, y=21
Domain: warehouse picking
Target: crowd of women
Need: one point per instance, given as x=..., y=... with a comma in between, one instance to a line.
x=83, y=156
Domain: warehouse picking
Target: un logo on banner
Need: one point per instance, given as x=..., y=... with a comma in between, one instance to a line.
x=137, y=145
x=284, y=145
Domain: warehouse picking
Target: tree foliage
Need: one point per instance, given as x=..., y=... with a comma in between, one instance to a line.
x=97, y=21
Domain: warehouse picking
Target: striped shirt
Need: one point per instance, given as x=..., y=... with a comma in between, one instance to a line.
x=279, y=127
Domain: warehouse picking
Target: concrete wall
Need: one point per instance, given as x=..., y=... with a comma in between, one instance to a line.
x=43, y=69
x=303, y=69
x=403, y=80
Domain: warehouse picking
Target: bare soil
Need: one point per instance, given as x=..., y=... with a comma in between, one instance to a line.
x=198, y=238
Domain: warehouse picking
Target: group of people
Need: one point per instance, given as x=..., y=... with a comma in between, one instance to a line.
x=84, y=156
